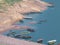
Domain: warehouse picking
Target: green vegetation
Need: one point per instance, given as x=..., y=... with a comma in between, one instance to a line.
x=11, y=2
x=2, y=7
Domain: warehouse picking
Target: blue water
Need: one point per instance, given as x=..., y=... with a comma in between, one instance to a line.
x=49, y=30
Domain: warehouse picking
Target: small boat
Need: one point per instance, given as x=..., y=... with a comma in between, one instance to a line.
x=51, y=42
x=27, y=17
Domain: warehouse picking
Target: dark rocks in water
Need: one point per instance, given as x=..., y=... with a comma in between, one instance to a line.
x=17, y=36
x=26, y=37
x=8, y=34
x=11, y=34
x=21, y=21
x=40, y=41
x=31, y=30
x=23, y=37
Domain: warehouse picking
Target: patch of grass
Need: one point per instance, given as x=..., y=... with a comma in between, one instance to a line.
x=2, y=7
x=11, y=2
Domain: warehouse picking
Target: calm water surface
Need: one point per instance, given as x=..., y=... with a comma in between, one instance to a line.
x=49, y=30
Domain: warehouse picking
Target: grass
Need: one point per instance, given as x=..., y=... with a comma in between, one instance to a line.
x=11, y=2
x=1, y=7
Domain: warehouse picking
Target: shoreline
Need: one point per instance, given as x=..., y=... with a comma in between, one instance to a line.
x=14, y=14
x=4, y=40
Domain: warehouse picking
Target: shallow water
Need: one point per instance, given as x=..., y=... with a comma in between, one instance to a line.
x=49, y=30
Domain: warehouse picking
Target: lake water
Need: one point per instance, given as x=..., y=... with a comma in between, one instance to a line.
x=49, y=30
